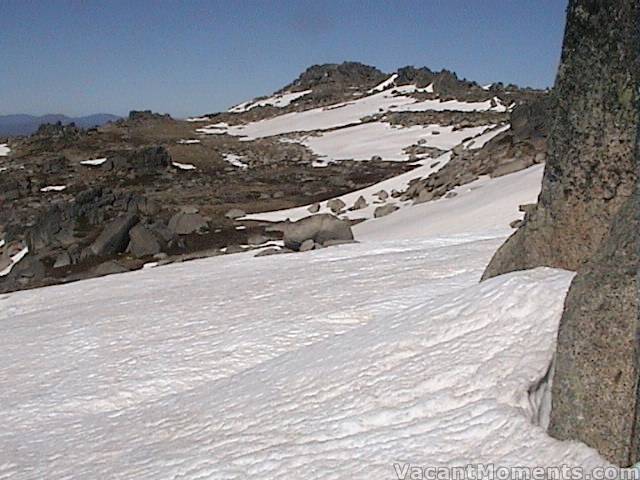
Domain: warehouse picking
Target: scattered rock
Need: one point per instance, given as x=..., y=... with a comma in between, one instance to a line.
x=143, y=242
x=109, y=268
x=315, y=208
x=382, y=195
x=516, y=223
x=186, y=223
x=257, y=239
x=385, y=210
x=307, y=245
x=336, y=205
x=234, y=249
x=360, y=203
x=62, y=260
x=235, y=213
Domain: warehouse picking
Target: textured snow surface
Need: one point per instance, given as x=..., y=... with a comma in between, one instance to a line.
x=4, y=150
x=331, y=364
x=361, y=142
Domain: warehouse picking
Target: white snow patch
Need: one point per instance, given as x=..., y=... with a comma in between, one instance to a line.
x=198, y=119
x=188, y=141
x=385, y=84
x=214, y=129
x=183, y=166
x=94, y=162
x=4, y=150
x=281, y=100
x=14, y=259
x=53, y=188
x=361, y=142
x=480, y=141
x=429, y=88
x=235, y=160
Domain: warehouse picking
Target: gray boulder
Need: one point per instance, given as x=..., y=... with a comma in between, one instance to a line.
x=360, y=203
x=109, y=268
x=143, y=242
x=307, y=245
x=114, y=238
x=336, y=205
x=185, y=223
x=235, y=213
x=385, y=210
x=62, y=260
x=315, y=208
x=318, y=228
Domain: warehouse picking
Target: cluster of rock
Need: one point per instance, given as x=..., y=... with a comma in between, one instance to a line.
x=524, y=144
x=587, y=219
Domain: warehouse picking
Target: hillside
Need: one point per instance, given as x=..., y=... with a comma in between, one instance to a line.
x=335, y=134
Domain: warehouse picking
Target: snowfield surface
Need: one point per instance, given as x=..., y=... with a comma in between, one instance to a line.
x=347, y=113
x=361, y=142
x=235, y=160
x=53, y=188
x=332, y=364
x=4, y=150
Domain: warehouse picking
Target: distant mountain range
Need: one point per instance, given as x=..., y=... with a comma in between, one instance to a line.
x=21, y=124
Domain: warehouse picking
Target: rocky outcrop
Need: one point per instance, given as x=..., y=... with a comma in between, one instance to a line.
x=114, y=238
x=590, y=170
x=586, y=219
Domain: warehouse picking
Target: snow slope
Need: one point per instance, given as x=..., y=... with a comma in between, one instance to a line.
x=361, y=142
x=333, y=364
x=347, y=113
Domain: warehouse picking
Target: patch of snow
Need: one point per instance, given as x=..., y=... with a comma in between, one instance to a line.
x=487, y=86
x=4, y=150
x=235, y=160
x=429, y=88
x=198, y=119
x=214, y=129
x=480, y=141
x=14, y=259
x=2, y=243
x=385, y=84
x=53, y=188
x=281, y=100
x=361, y=142
x=183, y=166
x=188, y=141
x=95, y=162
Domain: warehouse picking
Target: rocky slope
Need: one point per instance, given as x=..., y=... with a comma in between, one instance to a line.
x=150, y=188
x=586, y=219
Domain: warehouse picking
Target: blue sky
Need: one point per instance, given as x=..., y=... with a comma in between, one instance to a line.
x=188, y=57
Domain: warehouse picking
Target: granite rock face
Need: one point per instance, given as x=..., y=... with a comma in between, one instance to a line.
x=595, y=387
x=586, y=220
x=590, y=170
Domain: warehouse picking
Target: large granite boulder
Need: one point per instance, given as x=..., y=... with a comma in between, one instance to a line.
x=586, y=219
x=319, y=228
x=595, y=388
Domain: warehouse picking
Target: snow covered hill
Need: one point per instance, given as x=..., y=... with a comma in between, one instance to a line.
x=334, y=364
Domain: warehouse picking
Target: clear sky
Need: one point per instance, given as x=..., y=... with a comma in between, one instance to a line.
x=198, y=56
